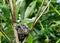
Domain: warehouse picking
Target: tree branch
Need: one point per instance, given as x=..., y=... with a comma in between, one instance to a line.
x=13, y=10
x=37, y=14
x=42, y=12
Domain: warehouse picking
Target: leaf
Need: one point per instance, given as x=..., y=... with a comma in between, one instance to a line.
x=53, y=1
x=39, y=1
x=20, y=6
x=57, y=22
x=0, y=1
x=30, y=9
x=22, y=9
x=0, y=36
x=9, y=31
x=53, y=35
x=47, y=39
x=5, y=10
x=58, y=41
x=29, y=39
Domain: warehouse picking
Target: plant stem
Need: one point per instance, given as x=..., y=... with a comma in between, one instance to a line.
x=13, y=12
x=42, y=12
x=41, y=25
x=37, y=14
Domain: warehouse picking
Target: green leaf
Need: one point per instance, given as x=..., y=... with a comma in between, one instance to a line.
x=39, y=1
x=0, y=36
x=58, y=41
x=29, y=39
x=0, y=1
x=9, y=31
x=20, y=7
x=5, y=10
x=30, y=9
x=53, y=1
x=47, y=39
x=57, y=22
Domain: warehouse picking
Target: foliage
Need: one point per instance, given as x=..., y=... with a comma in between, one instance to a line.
x=47, y=28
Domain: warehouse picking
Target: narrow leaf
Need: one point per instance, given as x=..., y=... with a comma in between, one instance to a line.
x=30, y=9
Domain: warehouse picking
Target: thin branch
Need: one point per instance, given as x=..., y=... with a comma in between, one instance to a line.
x=15, y=33
x=37, y=14
x=46, y=10
x=37, y=18
x=11, y=6
x=24, y=40
x=7, y=1
x=5, y=35
x=42, y=12
x=13, y=12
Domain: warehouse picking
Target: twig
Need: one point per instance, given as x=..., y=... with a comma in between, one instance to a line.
x=24, y=40
x=5, y=35
x=37, y=14
x=46, y=10
x=40, y=14
x=13, y=10
x=15, y=33
x=10, y=40
x=7, y=1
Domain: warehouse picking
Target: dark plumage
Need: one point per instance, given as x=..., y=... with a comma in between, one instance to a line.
x=22, y=31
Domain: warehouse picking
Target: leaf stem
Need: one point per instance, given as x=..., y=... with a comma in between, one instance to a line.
x=13, y=13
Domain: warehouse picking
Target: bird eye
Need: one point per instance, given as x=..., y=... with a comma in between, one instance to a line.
x=18, y=26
